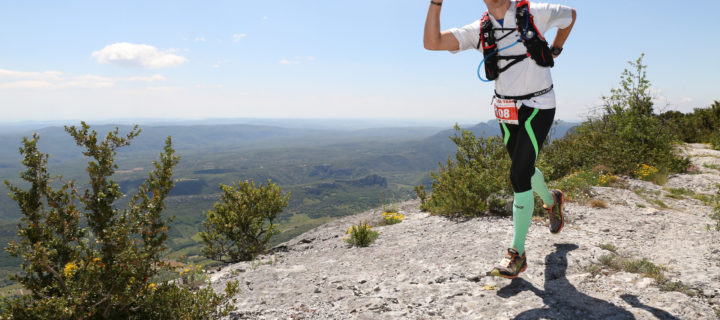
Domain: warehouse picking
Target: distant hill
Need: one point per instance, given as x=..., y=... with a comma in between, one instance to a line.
x=491, y=128
x=439, y=145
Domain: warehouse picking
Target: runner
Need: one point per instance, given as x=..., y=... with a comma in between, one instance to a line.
x=518, y=59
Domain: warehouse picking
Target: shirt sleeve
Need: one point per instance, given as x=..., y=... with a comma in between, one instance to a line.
x=548, y=16
x=468, y=36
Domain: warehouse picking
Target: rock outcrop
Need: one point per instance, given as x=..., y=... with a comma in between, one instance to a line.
x=434, y=267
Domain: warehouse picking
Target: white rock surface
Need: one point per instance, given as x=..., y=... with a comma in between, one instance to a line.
x=433, y=267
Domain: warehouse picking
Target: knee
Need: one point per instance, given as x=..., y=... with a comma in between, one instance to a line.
x=537, y=176
x=521, y=178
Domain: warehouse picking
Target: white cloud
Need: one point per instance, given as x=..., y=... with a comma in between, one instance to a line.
x=238, y=36
x=31, y=84
x=88, y=81
x=140, y=55
x=45, y=75
x=163, y=89
x=686, y=100
x=153, y=78
x=297, y=60
x=56, y=79
x=200, y=39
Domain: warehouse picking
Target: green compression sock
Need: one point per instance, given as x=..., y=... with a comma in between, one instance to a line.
x=538, y=185
x=523, y=206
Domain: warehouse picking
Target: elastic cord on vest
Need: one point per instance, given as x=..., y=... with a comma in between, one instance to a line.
x=490, y=55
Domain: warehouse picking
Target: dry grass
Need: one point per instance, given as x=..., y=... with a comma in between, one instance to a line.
x=598, y=203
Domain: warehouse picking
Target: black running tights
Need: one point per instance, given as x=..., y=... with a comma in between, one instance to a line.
x=523, y=142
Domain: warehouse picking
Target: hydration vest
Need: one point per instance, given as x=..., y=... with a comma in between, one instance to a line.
x=535, y=44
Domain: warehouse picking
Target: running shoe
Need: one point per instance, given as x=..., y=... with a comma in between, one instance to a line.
x=511, y=266
x=555, y=213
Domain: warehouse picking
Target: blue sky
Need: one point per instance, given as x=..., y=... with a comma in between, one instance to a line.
x=91, y=60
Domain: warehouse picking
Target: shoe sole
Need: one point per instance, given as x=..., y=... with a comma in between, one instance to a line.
x=508, y=277
x=562, y=214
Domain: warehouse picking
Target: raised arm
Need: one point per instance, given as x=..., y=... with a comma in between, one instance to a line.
x=433, y=39
x=562, y=34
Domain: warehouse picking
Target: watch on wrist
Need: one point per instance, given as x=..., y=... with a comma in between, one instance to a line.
x=556, y=51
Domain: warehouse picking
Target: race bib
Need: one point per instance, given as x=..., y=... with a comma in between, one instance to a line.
x=506, y=111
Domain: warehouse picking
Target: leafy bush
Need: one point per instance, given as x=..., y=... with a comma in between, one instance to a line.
x=471, y=181
x=700, y=126
x=715, y=141
x=86, y=258
x=624, y=136
x=422, y=195
x=361, y=235
x=716, y=211
x=241, y=224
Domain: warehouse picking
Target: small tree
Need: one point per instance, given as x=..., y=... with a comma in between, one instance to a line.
x=633, y=94
x=241, y=224
x=84, y=258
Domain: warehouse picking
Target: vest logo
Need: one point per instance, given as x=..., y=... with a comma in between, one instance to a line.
x=519, y=207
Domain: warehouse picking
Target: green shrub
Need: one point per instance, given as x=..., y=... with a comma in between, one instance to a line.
x=641, y=266
x=87, y=258
x=679, y=193
x=241, y=223
x=623, y=137
x=361, y=235
x=715, y=140
x=700, y=126
x=466, y=184
x=609, y=247
x=422, y=195
x=716, y=212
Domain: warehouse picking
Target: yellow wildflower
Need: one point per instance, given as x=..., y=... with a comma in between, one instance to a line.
x=70, y=269
x=645, y=170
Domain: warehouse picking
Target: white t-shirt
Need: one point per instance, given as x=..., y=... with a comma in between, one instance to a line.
x=526, y=76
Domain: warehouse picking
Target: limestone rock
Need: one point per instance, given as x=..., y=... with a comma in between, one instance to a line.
x=433, y=267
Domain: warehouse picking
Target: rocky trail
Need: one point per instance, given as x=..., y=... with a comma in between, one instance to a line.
x=434, y=267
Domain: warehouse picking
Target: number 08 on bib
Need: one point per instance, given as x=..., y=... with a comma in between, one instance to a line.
x=506, y=111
